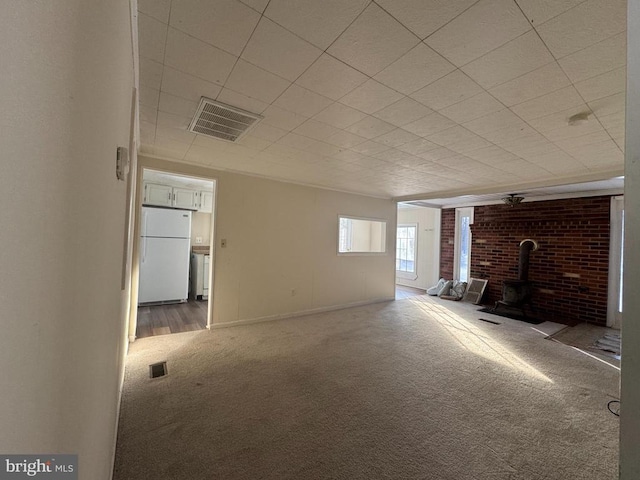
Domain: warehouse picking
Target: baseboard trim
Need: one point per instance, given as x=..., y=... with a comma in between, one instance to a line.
x=301, y=313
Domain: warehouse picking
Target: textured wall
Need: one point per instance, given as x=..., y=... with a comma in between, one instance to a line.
x=448, y=232
x=570, y=269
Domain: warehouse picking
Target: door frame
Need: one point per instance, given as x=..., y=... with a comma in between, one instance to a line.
x=616, y=239
x=164, y=166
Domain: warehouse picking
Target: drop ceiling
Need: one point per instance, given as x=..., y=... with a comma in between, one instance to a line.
x=406, y=100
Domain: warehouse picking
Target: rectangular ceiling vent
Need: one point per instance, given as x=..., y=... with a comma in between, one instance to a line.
x=222, y=121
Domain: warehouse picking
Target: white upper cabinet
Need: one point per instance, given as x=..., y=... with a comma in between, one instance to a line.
x=161, y=195
x=206, y=202
x=185, y=198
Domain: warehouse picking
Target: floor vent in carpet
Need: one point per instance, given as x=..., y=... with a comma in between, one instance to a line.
x=158, y=370
x=489, y=321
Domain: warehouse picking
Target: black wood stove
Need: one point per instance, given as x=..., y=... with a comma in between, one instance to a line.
x=517, y=293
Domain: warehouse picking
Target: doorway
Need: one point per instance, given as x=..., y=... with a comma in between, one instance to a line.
x=175, y=253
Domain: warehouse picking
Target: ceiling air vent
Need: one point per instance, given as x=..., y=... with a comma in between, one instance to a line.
x=218, y=120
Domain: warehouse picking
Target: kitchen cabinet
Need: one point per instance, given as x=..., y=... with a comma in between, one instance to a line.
x=185, y=198
x=206, y=202
x=160, y=195
x=168, y=196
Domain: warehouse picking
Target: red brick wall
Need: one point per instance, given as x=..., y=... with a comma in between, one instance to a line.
x=570, y=269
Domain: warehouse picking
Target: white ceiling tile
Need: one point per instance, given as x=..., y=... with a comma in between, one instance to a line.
x=582, y=26
x=556, y=127
x=452, y=88
x=603, y=85
x=397, y=137
x=614, y=124
x=491, y=155
x=472, y=108
x=322, y=148
x=317, y=22
x=168, y=148
x=152, y=36
x=281, y=118
x=429, y=125
x=544, y=80
x=370, y=148
x=150, y=73
x=340, y=115
x=169, y=120
x=196, y=58
x=495, y=121
x=226, y=24
x=345, y=139
x=437, y=154
x=371, y=97
x=331, y=78
x=547, y=104
x=403, y=112
x=255, y=143
x=423, y=17
x=256, y=82
x=418, y=146
x=187, y=86
x=511, y=133
x=257, y=5
x=350, y=156
x=175, y=134
x=373, y=41
x=608, y=105
x=302, y=101
x=485, y=26
x=417, y=68
x=370, y=127
x=214, y=145
x=576, y=143
x=239, y=100
x=176, y=105
x=149, y=96
x=267, y=44
x=596, y=59
x=148, y=115
x=158, y=9
x=511, y=60
x=294, y=140
x=539, y=11
x=147, y=132
x=268, y=132
x=458, y=139
x=317, y=130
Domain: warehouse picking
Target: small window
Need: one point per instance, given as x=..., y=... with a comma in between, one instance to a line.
x=406, y=248
x=360, y=235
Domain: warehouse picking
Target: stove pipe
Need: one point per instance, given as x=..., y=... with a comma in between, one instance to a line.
x=526, y=247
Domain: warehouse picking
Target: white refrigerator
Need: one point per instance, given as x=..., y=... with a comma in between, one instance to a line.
x=164, y=255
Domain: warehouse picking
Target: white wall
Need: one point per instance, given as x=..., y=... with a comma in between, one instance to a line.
x=200, y=227
x=283, y=237
x=66, y=93
x=630, y=383
x=428, y=220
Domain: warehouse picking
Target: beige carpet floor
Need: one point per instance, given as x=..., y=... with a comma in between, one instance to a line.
x=418, y=388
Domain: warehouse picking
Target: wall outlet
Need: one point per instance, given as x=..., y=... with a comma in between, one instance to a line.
x=198, y=240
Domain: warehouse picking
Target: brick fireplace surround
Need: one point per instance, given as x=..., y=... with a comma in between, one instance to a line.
x=569, y=271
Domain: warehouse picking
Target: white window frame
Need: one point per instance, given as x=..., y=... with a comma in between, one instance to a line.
x=350, y=253
x=460, y=213
x=401, y=273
